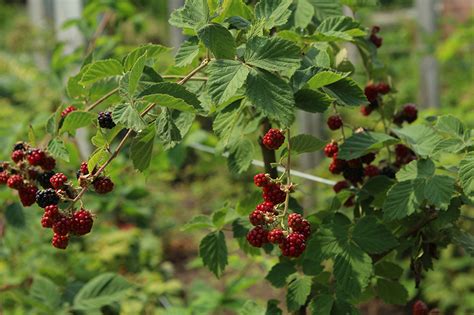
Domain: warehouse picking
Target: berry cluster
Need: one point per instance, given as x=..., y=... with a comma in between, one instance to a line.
x=373, y=91
x=105, y=120
x=409, y=113
x=273, y=139
x=374, y=38
x=33, y=167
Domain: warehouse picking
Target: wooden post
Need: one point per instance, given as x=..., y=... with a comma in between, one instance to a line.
x=176, y=35
x=37, y=14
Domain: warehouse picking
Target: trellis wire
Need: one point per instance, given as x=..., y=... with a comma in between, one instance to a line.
x=317, y=179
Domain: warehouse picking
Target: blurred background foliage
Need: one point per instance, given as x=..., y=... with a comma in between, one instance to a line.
x=138, y=232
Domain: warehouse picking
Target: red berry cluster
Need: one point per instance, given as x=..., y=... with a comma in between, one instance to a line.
x=420, y=308
x=374, y=38
x=409, y=113
x=269, y=223
x=273, y=139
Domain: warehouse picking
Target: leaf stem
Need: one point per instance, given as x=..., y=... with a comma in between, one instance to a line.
x=196, y=70
x=172, y=76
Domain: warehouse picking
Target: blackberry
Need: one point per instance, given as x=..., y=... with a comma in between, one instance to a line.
x=354, y=175
x=371, y=92
x=299, y=224
x=17, y=155
x=62, y=225
x=371, y=171
x=105, y=120
x=331, y=148
x=368, y=158
x=293, y=245
x=19, y=146
x=43, y=179
x=410, y=113
x=48, y=163
x=388, y=171
x=47, y=197
x=340, y=185
x=266, y=206
x=50, y=216
x=36, y=157
x=58, y=180
x=366, y=110
x=273, y=139
x=103, y=185
x=383, y=88
x=420, y=308
x=276, y=236
x=257, y=217
x=334, y=122
x=15, y=182
x=82, y=222
x=60, y=241
x=272, y=193
x=257, y=236
x=28, y=195
x=261, y=180
x=4, y=176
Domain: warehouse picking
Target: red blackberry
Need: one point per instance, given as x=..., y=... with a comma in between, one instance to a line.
x=58, y=180
x=294, y=220
x=383, y=88
x=83, y=169
x=272, y=193
x=36, y=157
x=340, y=185
x=62, y=225
x=4, y=176
x=293, y=245
x=410, y=113
x=261, y=180
x=257, y=236
x=398, y=119
x=366, y=110
x=44, y=178
x=371, y=171
x=371, y=92
x=266, y=206
x=82, y=222
x=273, y=139
x=48, y=163
x=402, y=150
x=299, y=224
x=331, y=148
x=46, y=197
x=376, y=40
x=354, y=163
x=257, y=217
x=103, y=185
x=15, y=182
x=60, y=241
x=67, y=110
x=275, y=236
x=334, y=122
x=420, y=308
x=17, y=155
x=105, y=120
x=32, y=174
x=337, y=165
x=354, y=175
x=51, y=214
x=28, y=195
x=368, y=158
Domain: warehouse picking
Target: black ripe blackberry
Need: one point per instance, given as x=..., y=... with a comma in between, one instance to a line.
x=44, y=178
x=388, y=171
x=19, y=146
x=47, y=197
x=105, y=120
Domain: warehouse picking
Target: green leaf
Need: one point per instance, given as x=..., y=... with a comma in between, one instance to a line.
x=422, y=139
x=466, y=173
x=77, y=119
x=465, y=240
x=388, y=270
x=193, y=15
x=346, y=92
x=198, y=222
x=151, y=51
x=439, y=189
x=101, y=69
x=391, y=292
x=273, y=12
x=452, y=145
x=15, y=216
x=373, y=237
x=135, y=74
x=188, y=51
x=312, y=101
x=272, y=54
x=451, y=125
x=225, y=78
x=402, y=200
x=213, y=251
x=100, y=291
x=251, y=308
x=272, y=308
x=422, y=168
x=128, y=116
x=142, y=148
x=303, y=13
x=240, y=156
x=219, y=40
x=46, y=291
x=172, y=126
x=304, y=143
x=97, y=158
x=321, y=304
x=238, y=22
x=325, y=8
x=272, y=95
x=228, y=122
x=362, y=143
x=57, y=149
x=279, y=273
x=298, y=291
x=323, y=78
x=172, y=95
x=337, y=23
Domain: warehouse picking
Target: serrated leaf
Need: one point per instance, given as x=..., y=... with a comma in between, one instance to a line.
x=402, y=200
x=466, y=173
x=304, y=143
x=45, y=291
x=225, y=78
x=240, y=156
x=100, y=291
x=272, y=95
x=452, y=145
x=193, y=14
x=422, y=168
x=135, y=74
x=451, y=125
x=141, y=148
x=97, y=158
x=388, y=270
x=169, y=94
x=373, y=237
x=187, y=52
x=439, y=190
x=57, y=149
x=323, y=78
x=213, y=252
x=198, y=222
x=362, y=143
x=273, y=12
x=77, y=119
x=312, y=101
x=227, y=122
x=422, y=139
x=298, y=291
x=321, y=304
x=272, y=54
x=346, y=92
x=101, y=69
x=303, y=13
x=128, y=116
x=251, y=308
x=325, y=8
x=15, y=216
x=238, y=22
x=465, y=240
x=337, y=23
x=172, y=126
x=272, y=308
x=219, y=40
x=279, y=273
x=391, y=292
x=151, y=51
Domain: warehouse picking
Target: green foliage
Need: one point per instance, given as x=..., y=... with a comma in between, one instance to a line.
x=213, y=251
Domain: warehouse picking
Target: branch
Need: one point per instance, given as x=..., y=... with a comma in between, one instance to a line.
x=100, y=100
x=171, y=76
x=192, y=73
x=100, y=29
x=268, y=156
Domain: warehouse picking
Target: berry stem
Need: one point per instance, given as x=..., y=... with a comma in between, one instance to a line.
x=385, y=128
x=100, y=100
x=288, y=177
x=342, y=127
